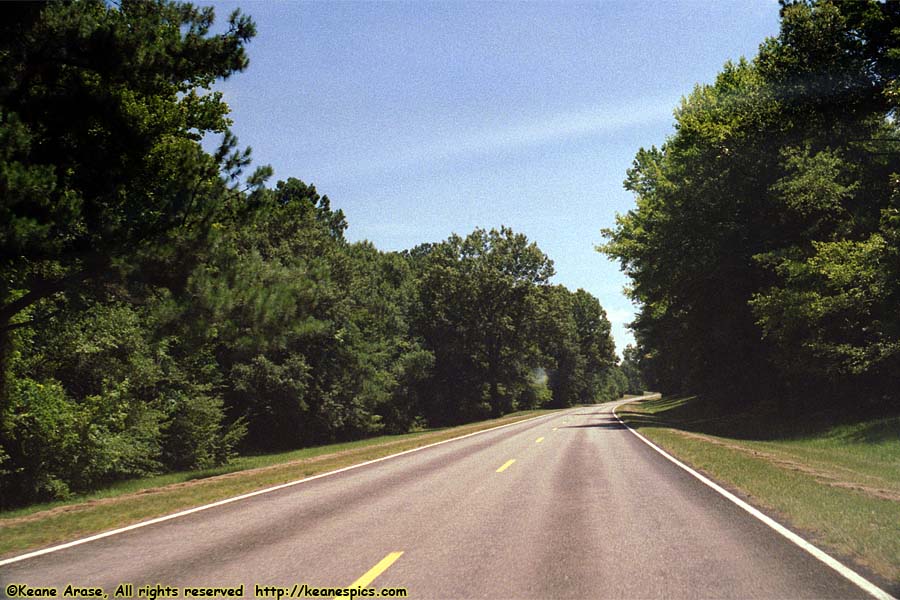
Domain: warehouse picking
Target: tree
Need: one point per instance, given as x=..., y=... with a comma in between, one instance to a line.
x=477, y=314
x=575, y=337
x=383, y=295
x=102, y=109
x=595, y=341
x=559, y=340
x=763, y=248
x=631, y=369
x=689, y=248
x=830, y=314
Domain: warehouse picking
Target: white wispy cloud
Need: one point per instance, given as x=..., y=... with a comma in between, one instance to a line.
x=498, y=138
x=620, y=315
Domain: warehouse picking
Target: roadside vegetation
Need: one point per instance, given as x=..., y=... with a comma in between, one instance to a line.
x=839, y=485
x=165, y=308
x=764, y=248
x=135, y=500
x=764, y=258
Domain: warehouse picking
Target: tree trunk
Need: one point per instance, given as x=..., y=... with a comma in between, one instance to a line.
x=5, y=354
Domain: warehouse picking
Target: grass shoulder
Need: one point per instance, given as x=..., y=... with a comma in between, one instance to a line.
x=838, y=485
x=138, y=500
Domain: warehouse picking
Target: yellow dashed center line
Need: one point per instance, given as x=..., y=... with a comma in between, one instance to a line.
x=539, y=440
x=377, y=570
x=506, y=465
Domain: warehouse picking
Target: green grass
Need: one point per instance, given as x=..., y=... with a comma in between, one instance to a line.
x=838, y=485
x=241, y=463
x=137, y=500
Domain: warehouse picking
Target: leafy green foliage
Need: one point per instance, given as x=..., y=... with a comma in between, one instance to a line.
x=156, y=316
x=631, y=369
x=763, y=249
x=103, y=109
x=578, y=347
x=477, y=314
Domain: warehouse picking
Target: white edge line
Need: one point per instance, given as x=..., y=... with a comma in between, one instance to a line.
x=829, y=560
x=281, y=486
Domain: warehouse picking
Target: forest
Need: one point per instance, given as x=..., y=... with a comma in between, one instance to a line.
x=764, y=248
x=165, y=307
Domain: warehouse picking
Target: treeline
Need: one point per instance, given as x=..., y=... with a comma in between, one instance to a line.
x=160, y=309
x=765, y=246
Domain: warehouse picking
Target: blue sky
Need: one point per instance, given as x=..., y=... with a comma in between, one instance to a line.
x=422, y=119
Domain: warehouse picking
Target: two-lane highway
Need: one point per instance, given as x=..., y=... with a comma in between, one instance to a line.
x=568, y=505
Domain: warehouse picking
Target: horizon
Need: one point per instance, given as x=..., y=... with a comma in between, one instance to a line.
x=423, y=120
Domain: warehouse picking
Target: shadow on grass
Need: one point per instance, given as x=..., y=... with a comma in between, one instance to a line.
x=759, y=422
x=876, y=432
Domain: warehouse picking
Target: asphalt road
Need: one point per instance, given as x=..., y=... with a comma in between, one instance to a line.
x=586, y=510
